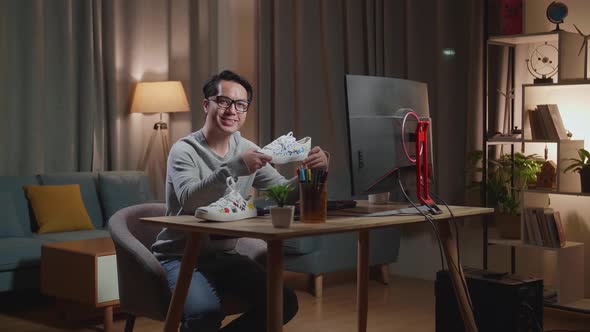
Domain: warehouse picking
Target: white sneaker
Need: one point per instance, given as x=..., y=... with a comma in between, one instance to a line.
x=229, y=207
x=286, y=149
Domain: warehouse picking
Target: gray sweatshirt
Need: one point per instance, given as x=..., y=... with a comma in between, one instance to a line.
x=196, y=177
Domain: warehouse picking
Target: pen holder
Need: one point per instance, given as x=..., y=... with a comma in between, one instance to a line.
x=313, y=207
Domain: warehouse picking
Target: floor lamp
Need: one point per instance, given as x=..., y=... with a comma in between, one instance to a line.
x=158, y=97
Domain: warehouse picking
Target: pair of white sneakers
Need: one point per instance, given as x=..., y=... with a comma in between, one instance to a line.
x=233, y=206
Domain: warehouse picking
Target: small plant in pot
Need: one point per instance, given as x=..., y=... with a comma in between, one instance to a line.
x=582, y=166
x=507, y=178
x=281, y=215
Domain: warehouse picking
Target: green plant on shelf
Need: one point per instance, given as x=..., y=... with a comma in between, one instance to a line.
x=278, y=193
x=581, y=164
x=507, y=178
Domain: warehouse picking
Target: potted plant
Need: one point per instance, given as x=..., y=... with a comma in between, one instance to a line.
x=281, y=215
x=582, y=166
x=506, y=179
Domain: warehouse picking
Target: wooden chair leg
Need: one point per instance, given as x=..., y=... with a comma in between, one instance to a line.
x=130, y=323
x=316, y=285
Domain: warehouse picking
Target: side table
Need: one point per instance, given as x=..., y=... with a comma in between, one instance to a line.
x=84, y=272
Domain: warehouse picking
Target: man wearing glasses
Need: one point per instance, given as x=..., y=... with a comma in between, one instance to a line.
x=197, y=169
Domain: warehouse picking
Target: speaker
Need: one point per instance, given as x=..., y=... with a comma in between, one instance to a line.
x=501, y=302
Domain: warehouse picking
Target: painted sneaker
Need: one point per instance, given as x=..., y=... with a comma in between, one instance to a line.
x=230, y=207
x=286, y=149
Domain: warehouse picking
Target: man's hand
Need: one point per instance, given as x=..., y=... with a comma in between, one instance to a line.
x=255, y=160
x=317, y=158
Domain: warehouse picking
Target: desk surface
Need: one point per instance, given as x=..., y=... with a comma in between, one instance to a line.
x=338, y=221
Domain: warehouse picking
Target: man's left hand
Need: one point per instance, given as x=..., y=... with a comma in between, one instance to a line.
x=317, y=158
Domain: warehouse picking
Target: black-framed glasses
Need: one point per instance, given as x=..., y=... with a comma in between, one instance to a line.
x=223, y=102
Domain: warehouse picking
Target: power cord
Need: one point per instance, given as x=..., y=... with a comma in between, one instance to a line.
x=426, y=217
x=532, y=314
x=435, y=229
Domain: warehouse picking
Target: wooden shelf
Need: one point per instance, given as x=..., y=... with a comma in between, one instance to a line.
x=555, y=192
x=495, y=141
x=582, y=306
x=524, y=39
x=519, y=244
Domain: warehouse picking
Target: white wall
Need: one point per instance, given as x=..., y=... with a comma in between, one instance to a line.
x=578, y=14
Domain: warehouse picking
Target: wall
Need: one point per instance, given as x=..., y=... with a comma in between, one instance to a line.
x=536, y=19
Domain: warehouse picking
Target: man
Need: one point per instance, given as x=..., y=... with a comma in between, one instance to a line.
x=197, y=170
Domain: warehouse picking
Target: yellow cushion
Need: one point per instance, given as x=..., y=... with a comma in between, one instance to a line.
x=58, y=208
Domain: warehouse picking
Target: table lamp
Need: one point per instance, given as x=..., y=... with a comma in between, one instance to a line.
x=158, y=97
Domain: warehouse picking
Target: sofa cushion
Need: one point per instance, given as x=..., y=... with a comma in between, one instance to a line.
x=9, y=225
x=14, y=185
x=73, y=236
x=87, y=182
x=17, y=252
x=122, y=189
x=300, y=246
x=58, y=208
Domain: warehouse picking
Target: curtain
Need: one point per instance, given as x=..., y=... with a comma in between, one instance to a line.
x=305, y=54
x=308, y=46
x=50, y=81
x=67, y=73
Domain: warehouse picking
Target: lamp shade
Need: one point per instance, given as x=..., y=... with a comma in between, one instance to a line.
x=159, y=97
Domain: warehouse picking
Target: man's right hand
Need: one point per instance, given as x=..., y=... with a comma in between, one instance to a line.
x=255, y=160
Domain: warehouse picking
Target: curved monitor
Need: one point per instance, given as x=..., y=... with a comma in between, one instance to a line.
x=377, y=144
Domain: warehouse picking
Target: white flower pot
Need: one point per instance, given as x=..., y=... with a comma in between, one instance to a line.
x=282, y=217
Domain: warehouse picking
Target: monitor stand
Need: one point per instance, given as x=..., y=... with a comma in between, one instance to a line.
x=405, y=211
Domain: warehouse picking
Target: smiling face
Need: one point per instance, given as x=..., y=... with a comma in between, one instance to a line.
x=225, y=121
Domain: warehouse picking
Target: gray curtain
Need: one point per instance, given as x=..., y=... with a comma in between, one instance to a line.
x=50, y=83
x=151, y=40
x=306, y=48
x=305, y=54
x=68, y=69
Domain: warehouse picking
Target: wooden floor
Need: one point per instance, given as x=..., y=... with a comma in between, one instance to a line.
x=404, y=305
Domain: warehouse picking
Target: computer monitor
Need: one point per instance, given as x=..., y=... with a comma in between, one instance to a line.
x=378, y=145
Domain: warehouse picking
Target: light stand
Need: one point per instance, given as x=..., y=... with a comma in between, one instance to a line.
x=158, y=97
x=161, y=132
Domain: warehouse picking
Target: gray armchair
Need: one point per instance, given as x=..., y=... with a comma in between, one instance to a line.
x=143, y=286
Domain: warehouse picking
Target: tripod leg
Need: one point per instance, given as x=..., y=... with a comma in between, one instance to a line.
x=143, y=161
x=165, y=149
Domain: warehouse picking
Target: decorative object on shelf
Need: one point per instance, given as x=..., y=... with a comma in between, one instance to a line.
x=509, y=97
x=582, y=166
x=511, y=17
x=556, y=13
x=547, y=177
x=281, y=215
x=584, y=48
x=501, y=195
x=569, y=134
x=542, y=63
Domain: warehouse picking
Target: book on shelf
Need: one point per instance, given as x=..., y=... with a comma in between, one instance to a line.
x=560, y=229
x=536, y=123
x=532, y=226
x=551, y=122
x=543, y=227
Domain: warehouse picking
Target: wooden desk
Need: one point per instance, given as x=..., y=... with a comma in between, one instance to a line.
x=346, y=221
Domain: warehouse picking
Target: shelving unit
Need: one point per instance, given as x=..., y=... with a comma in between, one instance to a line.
x=572, y=95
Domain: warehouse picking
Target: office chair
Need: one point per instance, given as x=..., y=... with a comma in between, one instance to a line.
x=143, y=286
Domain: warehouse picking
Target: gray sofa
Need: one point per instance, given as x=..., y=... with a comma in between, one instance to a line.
x=103, y=193
x=322, y=254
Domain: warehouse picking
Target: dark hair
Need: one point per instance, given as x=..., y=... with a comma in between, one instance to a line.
x=211, y=86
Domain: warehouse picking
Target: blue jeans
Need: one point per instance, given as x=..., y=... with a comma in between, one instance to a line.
x=225, y=273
